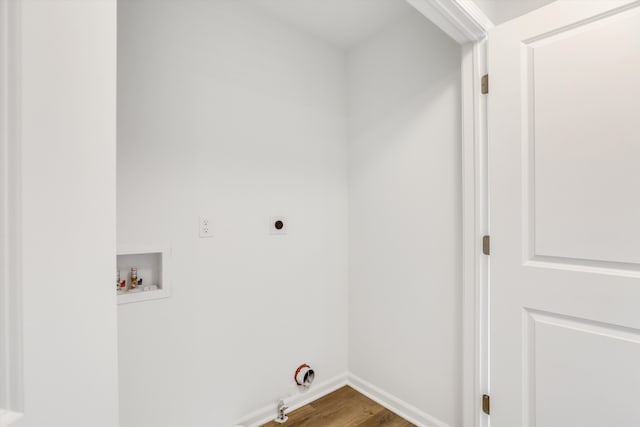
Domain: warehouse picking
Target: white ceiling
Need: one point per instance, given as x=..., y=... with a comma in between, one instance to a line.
x=344, y=23
x=499, y=11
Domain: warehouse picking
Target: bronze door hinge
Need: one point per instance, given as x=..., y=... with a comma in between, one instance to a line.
x=484, y=84
x=486, y=404
x=486, y=245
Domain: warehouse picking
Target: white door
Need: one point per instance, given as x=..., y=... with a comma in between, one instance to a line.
x=564, y=147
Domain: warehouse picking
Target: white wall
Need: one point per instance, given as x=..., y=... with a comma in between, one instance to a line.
x=225, y=113
x=405, y=216
x=67, y=89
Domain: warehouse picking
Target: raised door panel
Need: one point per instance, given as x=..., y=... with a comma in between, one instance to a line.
x=582, y=98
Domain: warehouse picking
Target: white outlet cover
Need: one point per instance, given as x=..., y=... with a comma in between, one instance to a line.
x=275, y=222
x=205, y=227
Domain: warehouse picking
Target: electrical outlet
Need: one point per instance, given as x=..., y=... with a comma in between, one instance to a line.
x=205, y=227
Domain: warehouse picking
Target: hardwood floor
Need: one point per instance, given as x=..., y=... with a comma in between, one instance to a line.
x=343, y=408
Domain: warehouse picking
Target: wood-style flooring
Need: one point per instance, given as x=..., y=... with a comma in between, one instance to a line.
x=343, y=408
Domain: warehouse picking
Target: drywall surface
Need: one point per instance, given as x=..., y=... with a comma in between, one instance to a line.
x=345, y=23
x=67, y=110
x=405, y=213
x=225, y=113
x=499, y=11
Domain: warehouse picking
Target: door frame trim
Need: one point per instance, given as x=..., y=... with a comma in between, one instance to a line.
x=464, y=22
x=11, y=394
x=475, y=225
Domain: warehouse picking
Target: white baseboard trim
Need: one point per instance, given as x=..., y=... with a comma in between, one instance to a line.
x=7, y=417
x=392, y=403
x=315, y=392
x=395, y=405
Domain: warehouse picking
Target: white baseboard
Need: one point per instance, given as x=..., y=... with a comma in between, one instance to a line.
x=315, y=392
x=392, y=403
x=7, y=417
x=395, y=405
